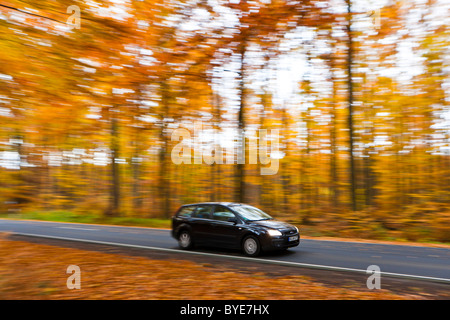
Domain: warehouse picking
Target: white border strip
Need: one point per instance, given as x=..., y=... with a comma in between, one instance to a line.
x=241, y=258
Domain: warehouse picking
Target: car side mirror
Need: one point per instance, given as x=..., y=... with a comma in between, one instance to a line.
x=234, y=220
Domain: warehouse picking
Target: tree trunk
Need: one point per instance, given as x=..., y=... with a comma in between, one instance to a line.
x=114, y=192
x=350, y=106
x=164, y=179
x=240, y=167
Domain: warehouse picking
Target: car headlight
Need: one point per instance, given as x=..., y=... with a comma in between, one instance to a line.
x=296, y=229
x=274, y=233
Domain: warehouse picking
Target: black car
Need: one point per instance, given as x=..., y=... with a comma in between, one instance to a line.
x=232, y=225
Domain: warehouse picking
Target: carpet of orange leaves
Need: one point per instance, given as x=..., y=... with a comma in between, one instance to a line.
x=38, y=271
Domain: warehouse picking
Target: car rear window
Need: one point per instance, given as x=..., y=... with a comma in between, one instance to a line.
x=203, y=211
x=186, y=211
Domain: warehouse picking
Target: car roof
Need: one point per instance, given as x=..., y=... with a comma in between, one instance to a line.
x=217, y=203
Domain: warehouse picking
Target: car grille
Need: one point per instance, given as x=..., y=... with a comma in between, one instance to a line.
x=289, y=232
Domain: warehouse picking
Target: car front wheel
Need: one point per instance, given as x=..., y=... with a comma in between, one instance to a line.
x=251, y=246
x=185, y=240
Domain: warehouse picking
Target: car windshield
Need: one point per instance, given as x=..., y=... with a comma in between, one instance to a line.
x=250, y=213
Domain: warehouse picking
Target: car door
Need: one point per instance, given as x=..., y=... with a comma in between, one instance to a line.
x=200, y=222
x=225, y=233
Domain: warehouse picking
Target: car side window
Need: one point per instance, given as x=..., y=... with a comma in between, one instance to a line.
x=222, y=213
x=186, y=211
x=203, y=212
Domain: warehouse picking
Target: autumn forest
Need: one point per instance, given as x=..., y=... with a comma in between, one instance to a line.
x=358, y=91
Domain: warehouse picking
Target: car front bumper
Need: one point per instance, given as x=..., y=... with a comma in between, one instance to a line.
x=279, y=243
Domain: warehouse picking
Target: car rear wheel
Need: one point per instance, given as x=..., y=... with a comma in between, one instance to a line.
x=185, y=240
x=251, y=246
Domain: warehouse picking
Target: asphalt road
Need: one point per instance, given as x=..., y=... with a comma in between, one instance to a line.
x=398, y=260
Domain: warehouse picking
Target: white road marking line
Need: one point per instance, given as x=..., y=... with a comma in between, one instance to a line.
x=77, y=228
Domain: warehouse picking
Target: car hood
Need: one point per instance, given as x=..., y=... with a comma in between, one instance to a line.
x=273, y=224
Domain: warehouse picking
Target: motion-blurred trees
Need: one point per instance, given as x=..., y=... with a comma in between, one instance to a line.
x=86, y=115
